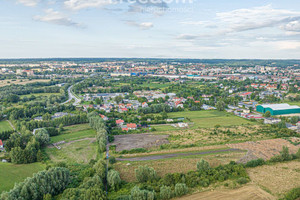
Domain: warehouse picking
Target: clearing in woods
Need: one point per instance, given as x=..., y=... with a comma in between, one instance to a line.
x=4, y=126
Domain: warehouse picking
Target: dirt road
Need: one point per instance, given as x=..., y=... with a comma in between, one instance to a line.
x=158, y=157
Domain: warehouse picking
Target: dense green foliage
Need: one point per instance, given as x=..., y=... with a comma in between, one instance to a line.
x=52, y=181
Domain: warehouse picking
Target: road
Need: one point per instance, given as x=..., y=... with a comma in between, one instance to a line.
x=72, y=96
x=164, y=156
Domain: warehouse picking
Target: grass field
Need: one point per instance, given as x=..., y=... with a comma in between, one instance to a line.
x=244, y=193
x=11, y=174
x=277, y=179
x=20, y=81
x=293, y=103
x=4, y=126
x=81, y=151
x=74, y=132
x=208, y=119
x=173, y=165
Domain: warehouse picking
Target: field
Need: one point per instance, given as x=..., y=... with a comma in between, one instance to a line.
x=243, y=193
x=172, y=165
x=277, y=179
x=20, y=81
x=132, y=141
x=295, y=103
x=74, y=132
x=11, y=174
x=79, y=151
x=266, y=148
x=4, y=126
x=208, y=119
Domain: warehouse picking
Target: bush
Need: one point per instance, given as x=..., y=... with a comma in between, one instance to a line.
x=165, y=193
x=113, y=179
x=255, y=163
x=203, y=166
x=137, y=150
x=145, y=173
x=293, y=194
x=242, y=180
x=112, y=160
x=180, y=189
x=138, y=194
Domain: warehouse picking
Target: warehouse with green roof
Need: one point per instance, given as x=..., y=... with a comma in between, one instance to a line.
x=278, y=109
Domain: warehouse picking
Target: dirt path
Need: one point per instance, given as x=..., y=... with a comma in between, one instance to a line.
x=243, y=193
x=159, y=157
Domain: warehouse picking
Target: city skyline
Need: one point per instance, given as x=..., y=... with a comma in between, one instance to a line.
x=150, y=29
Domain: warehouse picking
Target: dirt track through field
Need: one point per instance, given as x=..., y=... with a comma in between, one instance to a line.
x=174, y=155
x=244, y=193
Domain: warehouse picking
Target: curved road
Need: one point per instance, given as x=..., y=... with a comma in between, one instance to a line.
x=164, y=156
x=72, y=96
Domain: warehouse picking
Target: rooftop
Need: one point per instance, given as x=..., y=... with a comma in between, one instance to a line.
x=282, y=106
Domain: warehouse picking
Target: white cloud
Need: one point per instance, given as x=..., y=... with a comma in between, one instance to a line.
x=83, y=4
x=29, y=2
x=55, y=17
x=143, y=25
x=293, y=26
x=193, y=22
x=255, y=18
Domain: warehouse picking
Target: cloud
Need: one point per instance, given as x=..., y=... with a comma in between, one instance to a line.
x=187, y=37
x=29, y=2
x=287, y=45
x=83, y=4
x=293, y=26
x=55, y=17
x=255, y=18
x=157, y=7
x=143, y=25
x=193, y=22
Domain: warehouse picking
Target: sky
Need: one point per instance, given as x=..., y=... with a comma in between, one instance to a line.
x=229, y=29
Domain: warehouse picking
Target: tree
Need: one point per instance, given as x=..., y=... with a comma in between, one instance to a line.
x=145, y=173
x=180, y=189
x=285, y=155
x=118, y=99
x=203, y=166
x=220, y=106
x=113, y=179
x=294, y=119
x=47, y=117
x=267, y=114
x=42, y=137
x=138, y=194
x=165, y=192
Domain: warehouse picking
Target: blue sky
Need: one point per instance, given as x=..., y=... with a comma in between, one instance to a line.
x=150, y=28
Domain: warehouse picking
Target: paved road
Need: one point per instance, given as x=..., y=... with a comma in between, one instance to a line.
x=72, y=96
x=159, y=157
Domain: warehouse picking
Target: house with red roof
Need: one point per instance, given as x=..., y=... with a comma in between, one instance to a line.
x=131, y=126
x=104, y=117
x=1, y=144
x=119, y=122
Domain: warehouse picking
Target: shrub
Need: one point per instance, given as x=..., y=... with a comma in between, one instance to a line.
x=112, y=160
x=255, y=163
x=138, y=194
x=145, y=173
x=293, y=194
x=165, y=193
x=203, y=166
x=113, y=179
x=242, y=180
x=180, y=189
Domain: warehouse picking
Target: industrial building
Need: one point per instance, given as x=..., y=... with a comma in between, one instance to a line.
x=278, y=109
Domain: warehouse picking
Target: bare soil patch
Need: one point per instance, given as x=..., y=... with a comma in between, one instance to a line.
x=264, y=149
x=133, y=141
x=243, y=193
